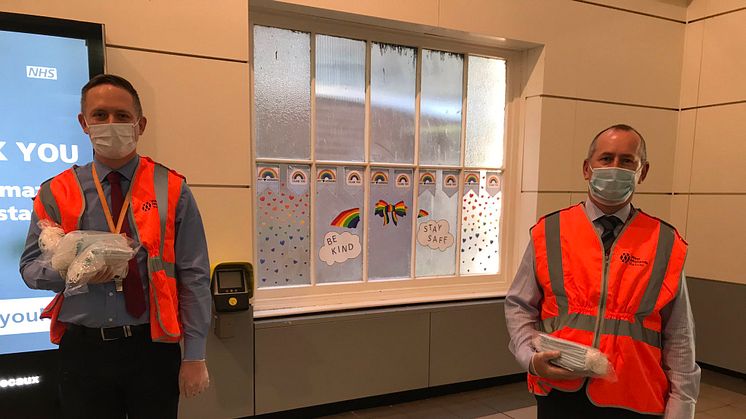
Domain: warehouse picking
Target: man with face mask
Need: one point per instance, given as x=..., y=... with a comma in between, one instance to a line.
x=119, y=345
x=605, y=274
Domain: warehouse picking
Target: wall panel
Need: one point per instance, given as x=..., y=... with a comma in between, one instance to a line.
x=196, y=27
x=690, y=69
x=584, y=62
x=715, y=232
x=546, y=155
x=682, y=163
x=719, y=147
x=718, y=344
x=226, y=214
x=469, y=342
x=723, y=60
x=197, y=110
x=424, y=12
x=553, y=160
x=670, y=9
x=332, y=358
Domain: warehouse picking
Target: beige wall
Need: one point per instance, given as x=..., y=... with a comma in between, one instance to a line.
x=710, y=174
x=612, y=61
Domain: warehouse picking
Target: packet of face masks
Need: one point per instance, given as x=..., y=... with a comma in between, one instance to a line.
x=80, y=255
x=582, y=359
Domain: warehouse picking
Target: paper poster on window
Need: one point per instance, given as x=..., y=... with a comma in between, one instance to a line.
x=471, y=181
x=283, y=226
x=427, y=182
x=338, y=224
x=450, y=182
x=480, y=226
x=390, y=224
x=437, y=221
x=354, y=176
x=493, y=186
x=267, y=178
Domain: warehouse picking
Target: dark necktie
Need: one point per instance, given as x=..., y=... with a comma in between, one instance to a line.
x=134, y=297
x=609, y=223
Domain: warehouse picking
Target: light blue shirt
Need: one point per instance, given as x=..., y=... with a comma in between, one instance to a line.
x=102, y=305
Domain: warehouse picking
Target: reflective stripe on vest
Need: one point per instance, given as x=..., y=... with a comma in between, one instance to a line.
x=50, y=205
x=618, y=327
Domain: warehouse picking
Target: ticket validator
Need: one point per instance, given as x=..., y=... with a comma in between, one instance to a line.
x=232, y=288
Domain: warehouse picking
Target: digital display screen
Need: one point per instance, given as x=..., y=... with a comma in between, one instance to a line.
x=230, y=279
x=40, y=81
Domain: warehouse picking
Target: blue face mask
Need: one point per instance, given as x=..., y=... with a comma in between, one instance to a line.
x=612, y=185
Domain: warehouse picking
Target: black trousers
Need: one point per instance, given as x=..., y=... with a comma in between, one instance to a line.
x=563, y=405
x=129, y=377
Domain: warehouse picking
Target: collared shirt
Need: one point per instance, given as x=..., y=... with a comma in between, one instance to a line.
x=102, y=305
x=523, y=308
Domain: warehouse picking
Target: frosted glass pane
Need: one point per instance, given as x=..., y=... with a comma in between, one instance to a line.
x=282, y=92
x=485, y=112
x=392, y=100
x=340, y=98
x=437, y=223
x=440, y=108
x=480, y=228
x=283, y=227
x=390, y=224
x=339, y=227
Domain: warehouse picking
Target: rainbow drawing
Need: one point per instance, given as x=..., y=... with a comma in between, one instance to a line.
x=354, y=178
x=493, y=181
x=379, y=177
x=348, y=218
x=422, y=213
x=450, y=181
x=471, y=179
x=326, y=175
x=267, y=173
x=427, y=178
x=298, y=177
x=402, y=180
x=383, y=209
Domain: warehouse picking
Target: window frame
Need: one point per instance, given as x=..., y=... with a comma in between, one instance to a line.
x=321, y=297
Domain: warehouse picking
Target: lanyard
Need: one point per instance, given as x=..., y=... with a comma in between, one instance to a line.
x=107, y=211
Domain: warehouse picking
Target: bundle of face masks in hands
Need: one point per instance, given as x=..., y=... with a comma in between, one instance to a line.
x=582, y=359
x=81, y=255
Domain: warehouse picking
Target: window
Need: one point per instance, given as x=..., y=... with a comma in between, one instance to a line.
x=379, y=167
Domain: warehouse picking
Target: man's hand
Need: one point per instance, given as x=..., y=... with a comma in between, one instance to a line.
x=543, y=368
x=193, y=378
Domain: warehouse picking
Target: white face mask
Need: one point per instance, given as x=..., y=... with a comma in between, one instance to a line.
x=113, y=141
x=612, y=185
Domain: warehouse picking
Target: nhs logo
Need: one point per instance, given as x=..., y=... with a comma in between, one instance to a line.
x=35, y=72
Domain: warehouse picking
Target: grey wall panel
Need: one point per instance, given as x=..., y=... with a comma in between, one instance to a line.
x=469, y=342
x=719, y=309
x=230, y=363
x=313, y=360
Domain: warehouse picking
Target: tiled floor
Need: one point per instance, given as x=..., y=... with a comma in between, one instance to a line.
x=721, y=396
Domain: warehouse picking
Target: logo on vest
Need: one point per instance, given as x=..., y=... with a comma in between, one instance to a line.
x=632, y=260
x=147, y=206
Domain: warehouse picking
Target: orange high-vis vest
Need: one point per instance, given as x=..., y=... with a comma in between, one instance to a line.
x=612, y=303
x=155, y=194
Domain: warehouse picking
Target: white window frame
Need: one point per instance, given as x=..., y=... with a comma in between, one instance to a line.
x=299, y=299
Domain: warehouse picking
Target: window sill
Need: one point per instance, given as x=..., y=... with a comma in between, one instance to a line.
x=288, y=301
